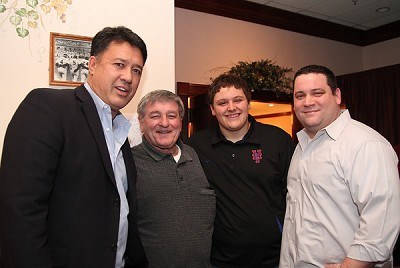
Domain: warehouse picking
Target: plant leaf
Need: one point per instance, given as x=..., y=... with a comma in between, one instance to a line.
x=15, y=20
x=33, y=14
x=21, y=12
x=2, y=8
x=32, y=3
x=46, y=9
x=22, y=32
x=33, y=24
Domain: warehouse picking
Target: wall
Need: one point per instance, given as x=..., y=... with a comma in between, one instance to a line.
x=25, y=61
x=206, y=45
x=382, y=54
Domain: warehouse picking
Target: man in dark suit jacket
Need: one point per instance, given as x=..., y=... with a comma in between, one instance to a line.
x=67, y=176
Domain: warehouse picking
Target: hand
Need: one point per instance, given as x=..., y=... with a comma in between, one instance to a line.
x=350, y=263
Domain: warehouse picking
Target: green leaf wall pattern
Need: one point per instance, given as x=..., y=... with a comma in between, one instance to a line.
x=26, y=14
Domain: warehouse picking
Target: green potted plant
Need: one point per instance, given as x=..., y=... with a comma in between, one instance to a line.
x=264, y=76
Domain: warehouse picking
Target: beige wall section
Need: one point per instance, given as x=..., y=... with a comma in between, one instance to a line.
x=382, y=54
x=204, y=42
x=25, y=61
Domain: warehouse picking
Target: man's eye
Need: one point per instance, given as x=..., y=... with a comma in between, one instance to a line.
x=137, y=71
x=299, y=96
x=118, y=64
x=222, y=103
x=318, y=94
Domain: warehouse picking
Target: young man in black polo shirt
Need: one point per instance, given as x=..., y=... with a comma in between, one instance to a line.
x=246, y=163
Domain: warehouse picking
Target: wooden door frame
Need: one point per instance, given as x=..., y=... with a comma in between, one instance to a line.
x=186, y=90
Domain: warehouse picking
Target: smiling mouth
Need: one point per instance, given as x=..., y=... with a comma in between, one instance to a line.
x=121, y=89
x=163, y=131
x=232, y=115
x=310, y=112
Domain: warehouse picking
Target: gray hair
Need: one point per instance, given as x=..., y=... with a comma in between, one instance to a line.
x=160, y=95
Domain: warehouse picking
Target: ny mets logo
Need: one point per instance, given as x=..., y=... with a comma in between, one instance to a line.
x=256, y=155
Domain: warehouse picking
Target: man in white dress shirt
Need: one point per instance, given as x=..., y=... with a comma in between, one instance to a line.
x=343, y=184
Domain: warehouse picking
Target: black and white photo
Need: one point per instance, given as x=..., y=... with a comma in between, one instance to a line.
x=69, y=57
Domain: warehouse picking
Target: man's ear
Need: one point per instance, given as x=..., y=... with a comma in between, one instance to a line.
x=212, y=109
x=92, y=64
x=338, y=95
x=140, y=124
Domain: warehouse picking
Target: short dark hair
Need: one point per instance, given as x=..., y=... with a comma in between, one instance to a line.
x=319, y=69
x=160, y=95
x=120, y=34
x=228, y=80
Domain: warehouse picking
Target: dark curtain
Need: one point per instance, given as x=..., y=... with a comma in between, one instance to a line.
x=373, y=97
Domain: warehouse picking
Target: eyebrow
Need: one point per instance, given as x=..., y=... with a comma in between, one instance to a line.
x=312, y=90
x=134, y=65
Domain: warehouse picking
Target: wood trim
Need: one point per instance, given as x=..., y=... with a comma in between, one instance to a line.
x=282, y=19
x=383, y=33
x=261, y=116
x=190, y=89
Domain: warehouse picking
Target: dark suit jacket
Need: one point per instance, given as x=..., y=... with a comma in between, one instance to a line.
x=59, y=204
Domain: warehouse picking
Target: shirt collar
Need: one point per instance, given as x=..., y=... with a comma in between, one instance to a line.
x=102, y=106
x=252, y=136
x=336, y=127
x=333, y=130
x=158, y=156
x=120, y=123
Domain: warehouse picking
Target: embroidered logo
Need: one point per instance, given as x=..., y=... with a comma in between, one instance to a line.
x=256, y=155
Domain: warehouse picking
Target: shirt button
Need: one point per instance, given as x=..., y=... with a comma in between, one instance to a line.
x=114, y=247
x=116, y=202
x=233, y=155
x=108, y=129
x=181, y=178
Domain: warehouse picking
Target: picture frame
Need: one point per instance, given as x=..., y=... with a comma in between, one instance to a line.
x=69, y=59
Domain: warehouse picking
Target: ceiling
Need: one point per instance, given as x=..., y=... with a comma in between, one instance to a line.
x=359, y=14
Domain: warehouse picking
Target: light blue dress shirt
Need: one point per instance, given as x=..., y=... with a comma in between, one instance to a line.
x=116, y=132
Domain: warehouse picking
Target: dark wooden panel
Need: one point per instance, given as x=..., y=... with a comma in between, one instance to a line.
x=199, y=115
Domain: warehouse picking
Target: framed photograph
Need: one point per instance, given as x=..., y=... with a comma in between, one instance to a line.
x=69, y=59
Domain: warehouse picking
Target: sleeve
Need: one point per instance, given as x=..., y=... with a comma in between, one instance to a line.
x=375, y=188
x=287, y=153
x=31, y=150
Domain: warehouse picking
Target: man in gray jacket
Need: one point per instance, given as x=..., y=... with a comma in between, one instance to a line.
x=176, y=206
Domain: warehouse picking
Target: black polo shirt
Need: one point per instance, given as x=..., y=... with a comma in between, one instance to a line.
x=249, y=179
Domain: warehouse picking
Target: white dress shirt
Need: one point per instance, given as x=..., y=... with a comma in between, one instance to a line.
x=343, y=197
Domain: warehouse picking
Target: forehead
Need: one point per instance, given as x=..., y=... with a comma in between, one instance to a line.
x=310, y=81
x=231, y=91
x=162, y=106
x=124, y=51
